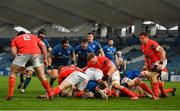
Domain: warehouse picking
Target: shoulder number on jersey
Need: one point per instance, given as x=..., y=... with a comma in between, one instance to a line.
x=26, y=37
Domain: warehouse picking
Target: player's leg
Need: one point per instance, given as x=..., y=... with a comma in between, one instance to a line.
x=12, y=80
x=41, y=75
x=116, y=85
x=125, y=84
x=155, y=85
x=164, y=76
x=54, y=75
x=153, y=80
x=37, y=61
x=22, y=73
x=171, y=90
x=132, y=85
x=49, y=60
x=16, y=67
x=30, y=71
x=65, y=84
x=143, y=85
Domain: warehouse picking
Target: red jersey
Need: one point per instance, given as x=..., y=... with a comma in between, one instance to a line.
x=27, y=44
x=150, y=52
x=66, y=71
x=102, y=63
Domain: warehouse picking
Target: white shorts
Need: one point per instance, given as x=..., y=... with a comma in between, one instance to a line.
x=115, y=78
x=164, y=76
x=77, y=78
x=94, y=74
x=22, y=59
x=125, y=80
x=30, y=68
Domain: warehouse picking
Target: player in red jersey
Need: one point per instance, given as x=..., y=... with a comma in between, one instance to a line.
x=71, y=76
x=154, y=63
x=110, y=72
x=24, y=48
x=65, y=71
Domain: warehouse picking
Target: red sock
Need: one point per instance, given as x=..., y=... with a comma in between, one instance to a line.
x=161, y=87
x=56, y=90
x=128, y=92
x=155, y=87
x=47, y=87
x=12, y=81
x=168, y=90
x=79, y=93
x=145, y=87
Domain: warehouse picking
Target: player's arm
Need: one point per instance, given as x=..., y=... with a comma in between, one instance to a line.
x=49, y=49
x=14, y=51
x=73, y=57
x=44, y=51
x=101, y=52
x=163, y=61
x=112, y=69
x=162, y=53
x=102, y=84
x=76, y=54
x=124, y=62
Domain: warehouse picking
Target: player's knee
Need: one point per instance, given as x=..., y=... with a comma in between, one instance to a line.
x=115, y=85
x=124, y=84
x=137, y=81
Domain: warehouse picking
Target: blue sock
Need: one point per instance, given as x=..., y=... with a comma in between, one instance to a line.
x=26, y=83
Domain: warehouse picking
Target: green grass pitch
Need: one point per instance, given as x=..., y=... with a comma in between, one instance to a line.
x=28, y=101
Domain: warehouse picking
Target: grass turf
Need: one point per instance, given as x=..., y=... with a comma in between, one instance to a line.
x=28, y=101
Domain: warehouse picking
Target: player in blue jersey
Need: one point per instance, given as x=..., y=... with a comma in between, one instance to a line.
x=110, y=51
x=41, y=35
x=95, y=45
x=62, y=55
x=82, y=50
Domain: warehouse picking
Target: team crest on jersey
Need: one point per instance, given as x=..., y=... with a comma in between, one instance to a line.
x=153, y=46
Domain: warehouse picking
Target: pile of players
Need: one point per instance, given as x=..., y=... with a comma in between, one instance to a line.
x=88, y=70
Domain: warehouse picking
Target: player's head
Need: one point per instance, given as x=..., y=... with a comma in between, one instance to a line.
x=110, y=42
x=92, y=59
x=119, y=54
x=143, y=37
x=90, y=37
x=84, y=43
x=41, y=33
x=20, y=33
x=65, y=42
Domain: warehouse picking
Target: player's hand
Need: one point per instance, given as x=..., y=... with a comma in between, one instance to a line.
x=45, y=62
x=160, y=67
x=144, y=68
x=144, y=74
x=85, y=82
x=73, y=87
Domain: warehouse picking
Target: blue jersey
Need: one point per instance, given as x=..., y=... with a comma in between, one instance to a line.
x=110, y=52
x=62, y=56
x=91, y=86
x=46, y=43
x=132, y=74
x=82, y=55
x=95, y=46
